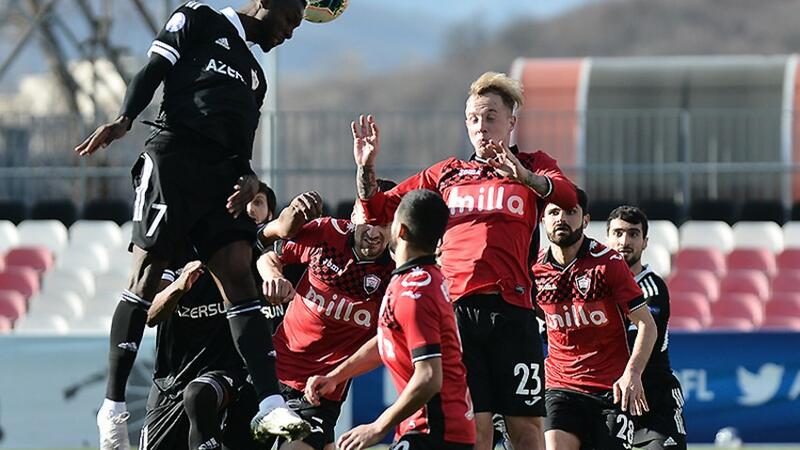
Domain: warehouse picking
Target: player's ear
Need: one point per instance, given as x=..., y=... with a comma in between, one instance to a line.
x=402, y=232
x=646, y=240
x=513, y=120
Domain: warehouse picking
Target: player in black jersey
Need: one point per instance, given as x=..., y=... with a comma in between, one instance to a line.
x=192, y=183
x=662, y=427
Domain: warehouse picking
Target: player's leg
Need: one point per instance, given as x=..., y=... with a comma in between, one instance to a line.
x=322, y=419
x=567, y=420
x=526, y=432
x=165, y=423
x=613, y=430
x=561, y=440
x=662, y=428
x=203, y=399
x=426, y=442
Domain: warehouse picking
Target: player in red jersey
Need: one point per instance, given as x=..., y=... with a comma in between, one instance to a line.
x=495, y=200
x=417, y=341
x=594, y=383
x=334, y=309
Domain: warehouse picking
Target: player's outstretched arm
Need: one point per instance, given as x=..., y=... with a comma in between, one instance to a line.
x=628, y=390
x=366, y=146
x=303, y=208
x=365, y=359
x=423, y=385
x=139, y=94
x=276, y=288
x=167, y=300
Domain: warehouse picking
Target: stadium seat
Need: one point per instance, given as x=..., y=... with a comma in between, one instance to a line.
x=91, y=325
x=111, y=280
x=689, y=305
x=103, y=232
x=791, y=235
x=49, y=233
x=763, y=210
x=39, y=259
x=705, y=234
x=103, y=303
x=722, y=210
x=731, y=324
x=12, y=305
x=21, y=279
x=90, y=256
x=665, y=233
x=116, y=210
x=658, y=258
x=682, y=323
x=738, y=306
x=753, y=259
x=766, y=235
x=789, y=259
x=42, y=324
x=62, y=210
x=66, y=304
x=596, y=230
x=785, y=281
x=745, y=282
x=709, y=259
x=781, y=324
x=13, y=211
x=783, y=305
x=9, y=237
x=5, y=325
x=78, y=280
x=119, y=261
x=697, y=281
x=126, y=229
x=662, y=210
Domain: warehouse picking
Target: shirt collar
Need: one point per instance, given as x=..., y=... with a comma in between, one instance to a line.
x=425, y=260
x=514, y=149
x=585, y=247
x=233, y=17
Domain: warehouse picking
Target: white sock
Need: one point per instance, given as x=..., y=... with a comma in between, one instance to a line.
x=270, y=403
x=113, y=406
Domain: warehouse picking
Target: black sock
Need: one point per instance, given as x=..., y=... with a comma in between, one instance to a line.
x=201, y=403
x=127, y=327
x=250, y=330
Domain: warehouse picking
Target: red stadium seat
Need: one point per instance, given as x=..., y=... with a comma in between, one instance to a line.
x=786, y=281
x=12, y=305
x=2, y=262
x=681, y=323
x=731, y=324
x=745, y=282
x=689, y=305
x=783, y=305
x=709, y=259
x=38, y=258
x=781, y=324
x=789, y=259
x=738, y=306
x=752, y=259
x=5, y=325
x=21, y=279
x=699, y=281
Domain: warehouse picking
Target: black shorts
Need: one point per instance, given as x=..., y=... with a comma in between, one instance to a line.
x=181, y=194
x=592, y=418
x=322, y=418
x=663, y=426
x=425, y=442
x=503, y=356
x=166, y=425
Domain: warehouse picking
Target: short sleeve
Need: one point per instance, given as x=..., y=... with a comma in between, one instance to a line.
x=186, y=26
x=624, y=288
x=420, y=319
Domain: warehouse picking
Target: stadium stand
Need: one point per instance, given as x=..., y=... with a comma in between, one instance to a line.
x=13, y=211
x=115, y=210
x=92, y=256
x=709, y=259
x=78, y=280
x=663, y=232
x=104, y=232
x=662, y=210
x=66, y=304
x=9, y=237
x=763, y=210
x=596, y=229
x=786, y=281
x=12, y=305
x=758, y=235
x=49, y=233
x=701, y=282
x=61, y=209
x=789, y=259
x=689, y=305
x=21, y=279
x=39, y=259
x=5, y=325
x=44, y=323
x=687, y=324
x=754, y=259
x=713, y=210
x=599, y=210
x=706, y=234
x=658, y=258
x=738, y=306
x=750, y=282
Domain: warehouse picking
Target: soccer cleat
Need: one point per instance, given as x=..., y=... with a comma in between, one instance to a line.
x=113, y=426
x=280, y=421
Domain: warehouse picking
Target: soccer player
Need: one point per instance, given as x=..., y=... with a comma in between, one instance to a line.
x=662, y=427
x=495, y=199
x=334, y=309
x=593, y=381
x=417, y=341
x=200, y=151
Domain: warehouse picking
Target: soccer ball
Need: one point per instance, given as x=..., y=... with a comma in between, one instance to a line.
x=321, y=11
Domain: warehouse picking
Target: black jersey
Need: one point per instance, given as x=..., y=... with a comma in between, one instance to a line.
x=216, y=86
x=196, y=339
x=657, y=296
x=273, y=313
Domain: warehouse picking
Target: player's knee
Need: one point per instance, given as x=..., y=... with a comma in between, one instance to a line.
x=199, y=397
x=146, y=272
x=484, y=437
x=526, y=432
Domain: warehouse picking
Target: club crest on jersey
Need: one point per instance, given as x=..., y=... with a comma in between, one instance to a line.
x=417, y=278
x=583, y=283
x=371, y=283
x=176, y=22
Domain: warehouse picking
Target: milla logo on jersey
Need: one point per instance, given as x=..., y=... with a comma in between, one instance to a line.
x=339, y=308
x=575, y=316
x=507, y=198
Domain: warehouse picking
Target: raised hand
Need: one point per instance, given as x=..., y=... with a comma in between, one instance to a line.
x=318, y=386
x=103, y=136
x=308, y=205
x=366, y=140
x=189, y=274
x=360, y=437
x=244, y=191
x=504, y=160
x=278, y=291
x=629, y=393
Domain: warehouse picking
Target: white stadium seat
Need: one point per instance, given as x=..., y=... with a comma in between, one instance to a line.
x=9, y=236
x=43, y=324
x=767, y=235
x=707, y=234
x=596, y=230
x=47, y=233
x=125, y=231
x=90, y=256
x=659, y=259
x=103, y=232
x=119, y=261
x=111, y=281
x=791, y=235
x=103, y=304
x=66, y=304
x=78, y=280
x=92, y=325
x=663, y=233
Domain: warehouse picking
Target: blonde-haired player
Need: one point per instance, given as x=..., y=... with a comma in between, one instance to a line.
x=495, y=199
